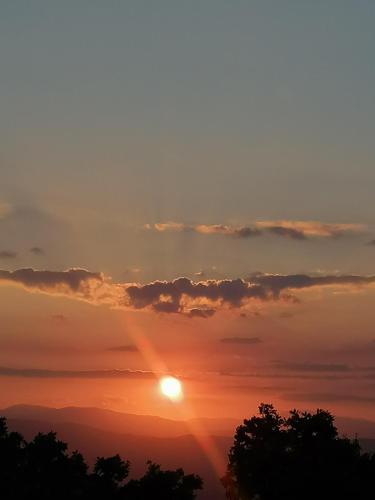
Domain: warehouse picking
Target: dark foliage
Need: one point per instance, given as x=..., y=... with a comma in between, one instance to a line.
x=42, y=469
x=298, y=457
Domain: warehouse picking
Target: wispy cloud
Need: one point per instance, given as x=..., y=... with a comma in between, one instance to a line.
x=60, y=319
x=223, y=229
x=297, y=230
x=312, y=367
x=123, y=348
x=37, y=251
x=241, y=340
x=7, y=254
x=41, y=373
x=312, y=228
x=324, y=397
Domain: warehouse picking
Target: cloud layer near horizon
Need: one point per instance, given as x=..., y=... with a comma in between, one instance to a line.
x=182, y=295
x=297, y=230
x=42, y=373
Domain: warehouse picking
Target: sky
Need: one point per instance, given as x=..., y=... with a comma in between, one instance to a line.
x=187, y=188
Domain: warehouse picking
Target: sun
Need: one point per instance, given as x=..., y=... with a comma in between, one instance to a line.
x=171, y=387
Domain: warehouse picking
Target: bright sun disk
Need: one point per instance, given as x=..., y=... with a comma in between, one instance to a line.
x=171, y=388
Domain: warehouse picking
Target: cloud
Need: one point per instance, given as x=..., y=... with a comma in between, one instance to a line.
x=7, y=254
x=37, y=251
x=241, y=340
x=201, y=313
x=312, y=367
x=297, y=230
x=327, y=397
x=290, y=376
x=312, y=228
x=226, y=230
x=75, y=283
x=42, y=373
x=287, y=232
x=237, y=232
x=72, y=279
x=123, y=348
x=277, y=283
x=182, y=295
x=179, y=294
x=371, y=243
x=59, y=318
x=170, y=226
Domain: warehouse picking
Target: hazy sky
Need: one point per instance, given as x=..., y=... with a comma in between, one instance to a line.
x=212, y=140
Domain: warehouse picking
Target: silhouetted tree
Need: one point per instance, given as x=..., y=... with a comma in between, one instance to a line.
x=300, y=457
x=107, y=477
x=42, y=469
x=163, y=485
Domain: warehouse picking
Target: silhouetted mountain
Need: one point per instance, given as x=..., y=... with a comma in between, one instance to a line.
x=149, y=425
x=141, y=425
x=355, y=427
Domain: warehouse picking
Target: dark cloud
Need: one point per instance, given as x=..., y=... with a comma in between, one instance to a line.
x=78, y=282
x=276, y=283
x=7, y=254
x=299, y=229
x=241, y=340
x=230, y=292
x=59, y=318
x=123, y=348
x=41, y=373
x=327, y=397
x=168, y=296
x=285, y=375
x=182, y=295
x=312, y=367
x=37, y=251
x=246, y=232
x=287, y=232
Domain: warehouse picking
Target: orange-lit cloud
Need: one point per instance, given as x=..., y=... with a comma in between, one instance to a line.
x=182, y=295
x=76, y=283
x=298, y=230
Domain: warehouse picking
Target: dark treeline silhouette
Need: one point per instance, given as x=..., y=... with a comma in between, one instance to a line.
x=42, y=469
x=300, y=457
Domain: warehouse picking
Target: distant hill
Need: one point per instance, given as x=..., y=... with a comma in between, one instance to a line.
x=149, y=425
x=140, y=425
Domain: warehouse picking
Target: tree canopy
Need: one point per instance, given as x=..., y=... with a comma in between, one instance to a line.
x=297, y=457
x=42, y=469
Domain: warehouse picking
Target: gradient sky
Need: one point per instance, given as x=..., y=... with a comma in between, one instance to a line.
x=211, y=140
